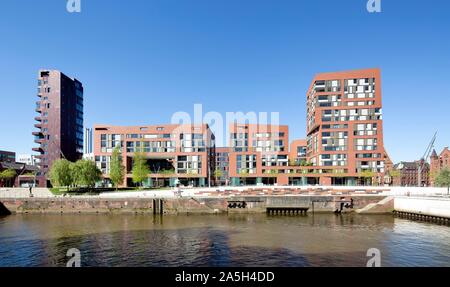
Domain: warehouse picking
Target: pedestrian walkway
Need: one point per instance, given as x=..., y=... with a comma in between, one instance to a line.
x=24, y=192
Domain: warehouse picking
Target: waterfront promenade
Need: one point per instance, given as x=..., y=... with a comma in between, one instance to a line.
x=432, y=202
x=25, y=193
x=230, y=191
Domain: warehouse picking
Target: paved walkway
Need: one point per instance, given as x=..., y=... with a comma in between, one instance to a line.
x=149, y=194
x=24, y=192
x=240, y=191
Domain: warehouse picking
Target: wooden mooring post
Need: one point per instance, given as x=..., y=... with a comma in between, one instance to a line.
x=158, y=206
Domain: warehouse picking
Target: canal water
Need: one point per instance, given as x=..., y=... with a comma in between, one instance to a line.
x=237, y=240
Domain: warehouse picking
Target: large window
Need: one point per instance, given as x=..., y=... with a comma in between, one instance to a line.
x=246, y=164
x=365, y=144
x=109, y=141
x=189, y=164
x=151, y=146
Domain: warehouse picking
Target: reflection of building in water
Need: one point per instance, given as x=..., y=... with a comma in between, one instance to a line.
x=238, y=240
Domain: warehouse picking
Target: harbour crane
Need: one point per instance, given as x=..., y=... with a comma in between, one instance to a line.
x=424, y=159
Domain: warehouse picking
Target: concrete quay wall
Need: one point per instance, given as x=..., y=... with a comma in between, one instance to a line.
x=429, y=206
x=187, y=205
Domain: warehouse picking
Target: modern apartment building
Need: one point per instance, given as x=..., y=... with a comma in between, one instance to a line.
x=222, y=176
x=60, y=121
x=259, y=153
x=297, y=152
x=176, y=154
x=439, y=162
x=345, y=126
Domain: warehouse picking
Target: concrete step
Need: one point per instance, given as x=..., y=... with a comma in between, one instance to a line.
x=385, y=205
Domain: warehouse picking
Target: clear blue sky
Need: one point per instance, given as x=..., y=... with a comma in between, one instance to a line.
x=142, y=60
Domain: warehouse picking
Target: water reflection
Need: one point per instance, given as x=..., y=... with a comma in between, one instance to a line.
x=237, y=240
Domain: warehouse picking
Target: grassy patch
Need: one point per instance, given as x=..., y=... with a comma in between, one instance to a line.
x=58, y=190
x=72, y=191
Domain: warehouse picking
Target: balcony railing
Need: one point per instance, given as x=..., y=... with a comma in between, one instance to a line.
x=38, y=149
x=38, y=133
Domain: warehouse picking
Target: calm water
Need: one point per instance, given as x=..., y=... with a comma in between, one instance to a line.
x=243, y=240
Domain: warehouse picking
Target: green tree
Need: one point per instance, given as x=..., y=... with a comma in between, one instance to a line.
x=140, y=168
x=7, y=175
x=61, y=173
x=367, y=176
x=244, y=172
x=305, y=163
x=272, y=172
x=218, y=173
x=167, y=172
x=86, y=173
x=394, y=174
x=117, y=170
x=442, y=179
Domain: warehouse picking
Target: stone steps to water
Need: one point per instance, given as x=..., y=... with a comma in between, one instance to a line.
x=385, y=205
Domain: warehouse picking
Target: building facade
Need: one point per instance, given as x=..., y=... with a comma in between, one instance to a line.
x=7, y=156
x=24, y=175
x=60, y=121
x=408, y=174
x=222, y=172
x=297, y=153
x=258, y=154
x=439, y=162
x=87, y=147
x=345, y=127
x=176, y=154
x=27, y=159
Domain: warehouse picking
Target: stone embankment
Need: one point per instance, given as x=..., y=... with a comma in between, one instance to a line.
x=273, y=200
x=191, y=205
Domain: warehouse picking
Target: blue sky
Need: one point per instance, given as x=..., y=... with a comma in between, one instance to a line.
x=142, y=60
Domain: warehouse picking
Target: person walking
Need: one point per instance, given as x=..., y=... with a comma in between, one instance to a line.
x=31, y=190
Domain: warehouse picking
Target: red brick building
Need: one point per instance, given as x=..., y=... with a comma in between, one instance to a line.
x=344, y=143
x=345, y=126
x=438, y=162
x=176, y=154
x=23, y=173
x=259, y=154
x=297, y=152
x=222, y=166
x=409, y=174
